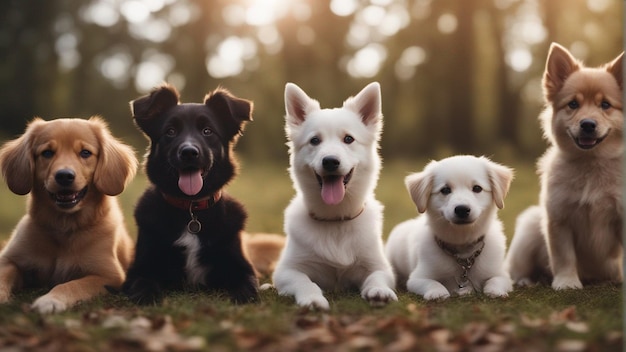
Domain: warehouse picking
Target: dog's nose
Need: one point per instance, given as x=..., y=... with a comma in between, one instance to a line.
x=330, y=163
x=462, y=211
x=65, y=177
x=189, y=152
x=588, y=125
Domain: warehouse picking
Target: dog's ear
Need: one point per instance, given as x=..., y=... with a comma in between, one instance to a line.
x=298, y=105
x=559, y=66
x=17, y=159
x=367, y=103
x=615, y=68
x=117, y=163
x=500, y=178
x=420, y=185
x=158, y=101
x=234, y=111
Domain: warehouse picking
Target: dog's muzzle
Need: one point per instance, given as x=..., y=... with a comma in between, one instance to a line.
x=587, y=137
x=68, y=199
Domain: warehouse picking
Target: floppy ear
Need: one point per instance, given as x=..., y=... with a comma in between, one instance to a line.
x=420, y=186
x=367, y=103
x=234, y=111
x=145, y=108
x=298, y=105
x=559, y=66
x=615, y=68
x=17, y=160
x=117, y=163
x=500, y=178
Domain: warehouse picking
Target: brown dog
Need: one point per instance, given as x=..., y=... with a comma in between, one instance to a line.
x=73, y=235
x=574, y=236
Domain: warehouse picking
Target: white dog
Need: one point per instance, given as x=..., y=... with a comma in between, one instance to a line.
x=458, y=245
x=334, y=223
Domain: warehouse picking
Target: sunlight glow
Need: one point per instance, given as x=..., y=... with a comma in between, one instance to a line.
x=519, y=59
x=598, y=6
x=231, y=56
x=264, y=12
x=447, y=23
x=343, y=7
x=367, y=62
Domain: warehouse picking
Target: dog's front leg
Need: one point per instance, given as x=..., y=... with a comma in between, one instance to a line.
x=562, y=256
x=64, y=296
x=377, y=288
x=9, y=276
x=291, y=282
x=428, y=288
x=498, y=286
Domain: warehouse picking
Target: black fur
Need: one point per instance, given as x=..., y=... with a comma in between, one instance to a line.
x=211, y=129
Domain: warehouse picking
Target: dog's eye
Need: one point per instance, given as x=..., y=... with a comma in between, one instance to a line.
x=573, y=105
x=85, y=154
x=315, y=141
x=446, y=190
x=477, y=189
x=207, y=131
x=171, y=132
x=348, y=139
x=605, y=105
x=47, y=153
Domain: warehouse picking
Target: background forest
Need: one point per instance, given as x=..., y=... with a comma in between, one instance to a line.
x=457, y=76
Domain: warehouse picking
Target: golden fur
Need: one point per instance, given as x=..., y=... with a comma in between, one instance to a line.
x=75, y=249
x=263, y=251
x=574, y=235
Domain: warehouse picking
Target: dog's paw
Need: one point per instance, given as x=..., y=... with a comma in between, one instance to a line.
x=525, y=282
x=438, y=293
x=248, y=292
x=379, y=296
x=314, y=301
x=5, y=295
x=48, y=304
x=564, y=282
x=142, y=291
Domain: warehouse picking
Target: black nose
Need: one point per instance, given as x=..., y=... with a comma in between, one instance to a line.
x=588, y=125
x=65, y=177
x=462, y=211
x=189, y=153
x=330, y=163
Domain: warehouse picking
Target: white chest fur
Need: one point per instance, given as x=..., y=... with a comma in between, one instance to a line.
x=195, y=272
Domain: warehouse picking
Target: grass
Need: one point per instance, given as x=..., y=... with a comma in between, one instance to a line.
x=536, y=318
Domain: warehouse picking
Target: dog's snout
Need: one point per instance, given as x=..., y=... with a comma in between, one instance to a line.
x=189, y=152
x=462, y=211
x=65, y=177
x=330, y=163
x=588, y=125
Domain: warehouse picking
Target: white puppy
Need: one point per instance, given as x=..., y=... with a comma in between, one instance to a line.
x=334, y=223
x=458, y=245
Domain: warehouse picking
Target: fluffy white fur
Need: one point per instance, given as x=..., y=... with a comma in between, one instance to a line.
x=337, y=245
x=574, y=236
x=439, y=191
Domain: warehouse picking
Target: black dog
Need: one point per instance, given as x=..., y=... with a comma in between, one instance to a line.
x=188, y=227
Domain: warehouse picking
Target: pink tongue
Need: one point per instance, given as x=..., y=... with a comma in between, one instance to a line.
x=190, y=182
x=333, y=190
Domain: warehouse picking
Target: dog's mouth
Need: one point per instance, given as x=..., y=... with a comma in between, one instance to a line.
x=334, y=187
x=68, y=199
x=191, y=181
x=588, y=142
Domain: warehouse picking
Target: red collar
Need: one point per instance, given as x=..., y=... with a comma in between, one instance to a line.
x=201, y=204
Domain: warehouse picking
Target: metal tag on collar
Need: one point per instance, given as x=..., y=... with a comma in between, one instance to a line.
x=193, y=226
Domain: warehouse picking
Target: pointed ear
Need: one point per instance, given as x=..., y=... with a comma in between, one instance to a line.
x=367, y=103
x=149, y=106
x=234, y=111
x=17, y=159
x=117, y=163
x=420, y=186
x=559, y=66
x=500, y=178
x=298, y=104
x=616, y=69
